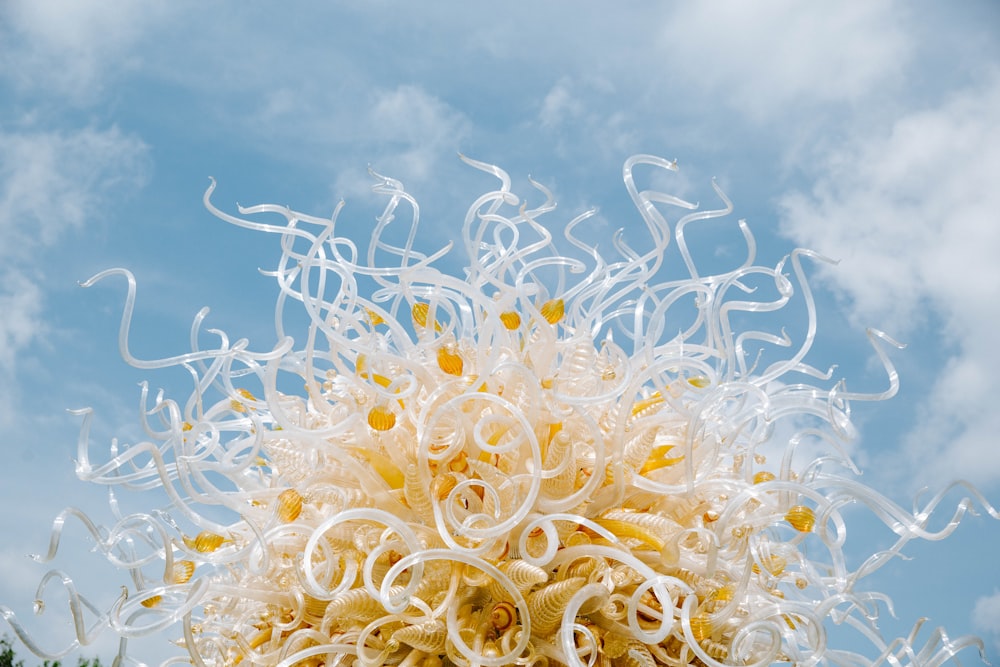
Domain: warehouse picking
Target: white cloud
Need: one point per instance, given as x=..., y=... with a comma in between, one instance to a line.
x=411, y=135
x=986, y=617
x=20, y=303
x=53, y=181
x=582, y=115
x=68, y=46
x=412, y=115
x=422, y=126
x=766, y=56
x=559, y=105
x=914, y=215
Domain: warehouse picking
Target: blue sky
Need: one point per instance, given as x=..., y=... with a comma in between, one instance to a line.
x=868, y=131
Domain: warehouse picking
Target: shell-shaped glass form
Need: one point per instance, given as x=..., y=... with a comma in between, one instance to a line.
x=503, y=615
x=554, y=454
x=547, y=604
x=429, y=637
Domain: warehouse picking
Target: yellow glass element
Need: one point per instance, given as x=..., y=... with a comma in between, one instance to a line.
x=381, y=463
x=205, y=542
x=183, y=571
x=237, y=406
x=763, y=476
x=723, y=594
x=289, y=505
x=699, y=381
x=625, y=529
x=775, y=565
x=498, y=433
x=546, y=605
x=802, y=518
x=374, y=317
x=420, y=311
x=246, y=394
x=152, y=601
x=657, y=459
x=553, y=310
x=510, y=319
x=186, y=426
x=449, y=361
x=258, y=639
x=429, y=637
x=421, y=314
x=381, y=418
x=442, y=485
x=701, y=627
x=459, y=464
x=503, y=615
x=715, y=650
x=646, y=403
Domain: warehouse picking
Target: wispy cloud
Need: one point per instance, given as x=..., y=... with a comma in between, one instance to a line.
x=769, y=57
x=20, y=303
x=986, y=617
x=52, y=181
x=52, y=184
x=913, y=215
x=69, y=47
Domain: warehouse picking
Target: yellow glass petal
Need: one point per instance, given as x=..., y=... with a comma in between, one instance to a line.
x=207, y=542
x=553, y=310
x=449, y=361
x=419, y=312
x=763, y=476
x=421, y=315
x=625, y=529
x=646, y=403
x=701, y=626
x=183, y=571
x=802, y=518
x=289, y=505
x=382, y=464
x=775, y=565
x=381, y=418
x=511, y=319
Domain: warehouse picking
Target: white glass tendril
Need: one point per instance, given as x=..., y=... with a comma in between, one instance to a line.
x=553, y=457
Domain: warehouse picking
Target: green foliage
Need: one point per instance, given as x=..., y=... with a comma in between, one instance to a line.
x=7, y=654
x=9, y=659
